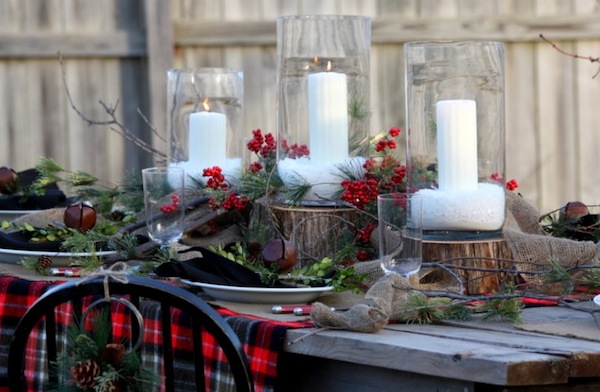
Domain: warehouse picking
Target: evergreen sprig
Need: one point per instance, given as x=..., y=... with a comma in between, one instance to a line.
x=83, y=346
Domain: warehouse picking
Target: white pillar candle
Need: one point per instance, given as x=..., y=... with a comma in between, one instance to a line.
x=328, y=117
x=207, y=139
x=457, y=145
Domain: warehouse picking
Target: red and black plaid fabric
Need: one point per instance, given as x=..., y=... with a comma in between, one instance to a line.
x=262, y=339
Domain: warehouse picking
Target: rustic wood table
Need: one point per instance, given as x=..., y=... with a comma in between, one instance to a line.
x=453, y=356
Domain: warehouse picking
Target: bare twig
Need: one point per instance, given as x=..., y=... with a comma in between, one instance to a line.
x=574, y=55
x=114, y=124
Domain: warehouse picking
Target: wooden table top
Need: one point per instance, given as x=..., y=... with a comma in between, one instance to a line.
x=489, y=352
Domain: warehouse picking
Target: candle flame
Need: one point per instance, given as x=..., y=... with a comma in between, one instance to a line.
x=206, y=105
x=315, y=60
x=328, y=66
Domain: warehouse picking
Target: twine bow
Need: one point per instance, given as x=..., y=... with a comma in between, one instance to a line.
x=118, y=271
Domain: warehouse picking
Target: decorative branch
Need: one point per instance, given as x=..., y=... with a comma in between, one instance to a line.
x=574, y=55
x=114, y=124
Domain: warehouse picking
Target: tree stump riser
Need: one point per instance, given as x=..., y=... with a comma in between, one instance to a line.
x=481, y=265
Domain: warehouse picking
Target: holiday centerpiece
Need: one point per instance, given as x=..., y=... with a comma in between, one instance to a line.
x=323, y=103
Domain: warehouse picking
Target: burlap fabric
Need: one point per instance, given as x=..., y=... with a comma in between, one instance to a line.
x=41, y=219
x=531, y=249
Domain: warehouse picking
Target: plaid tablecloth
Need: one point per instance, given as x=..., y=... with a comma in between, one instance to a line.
x=262, y=339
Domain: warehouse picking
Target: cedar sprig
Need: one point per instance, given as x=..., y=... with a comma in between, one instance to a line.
x=591, y=277
x=417, y=309
x=506, y=309
x=558, y=274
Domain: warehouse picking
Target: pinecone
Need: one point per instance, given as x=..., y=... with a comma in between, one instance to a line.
x=113, y=354
x=117, y=215
x=44, y=261
x=85, y=373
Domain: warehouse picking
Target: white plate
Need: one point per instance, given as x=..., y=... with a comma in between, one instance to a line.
x=9, y=215
x=61, y=259
x=597, y=300
x=260, y=295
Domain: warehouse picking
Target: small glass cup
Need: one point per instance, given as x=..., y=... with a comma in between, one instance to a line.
x=164, y=199
x=400, y=232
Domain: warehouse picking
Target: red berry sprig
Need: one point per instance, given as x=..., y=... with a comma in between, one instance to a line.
x=510, y=185
x=384, y=173
x=216, y=180
x=172, y=207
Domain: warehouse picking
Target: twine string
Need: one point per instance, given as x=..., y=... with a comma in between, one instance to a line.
x=118, y=271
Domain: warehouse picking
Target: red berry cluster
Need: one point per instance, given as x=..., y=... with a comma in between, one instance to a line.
x=235, y=202
x=265, y=146
x=510, y=185
x=216, y=180
x=384, y=173
x=255, y=167
x=172, y=207
x=361, y=192
x=363, y=241
x=295, y=151
x=384, y=144
x=231, y=200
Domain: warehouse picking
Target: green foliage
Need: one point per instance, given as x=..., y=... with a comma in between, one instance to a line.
x=579, y=227
x=104, y=237
x=264, y=182
x=103, y=196
x=84, y=346
x=558, y=274
x=420, y=309
x=507, y=309
x=297, y=189
x=321, y=273
x=162, y=255
x=591, y=277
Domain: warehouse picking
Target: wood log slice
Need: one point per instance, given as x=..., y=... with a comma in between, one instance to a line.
x=484, y=275
x=316, y=231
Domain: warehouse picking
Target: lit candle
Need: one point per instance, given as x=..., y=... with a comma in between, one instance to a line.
x=328, y=117
x=457, y=145
x=207, y=138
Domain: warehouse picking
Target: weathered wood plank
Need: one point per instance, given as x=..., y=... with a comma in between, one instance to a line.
x=394, y=30
x=301, y=373
x=160, y=60
x=588, y=120
x=557, y=131
x=489, y=352
x=521, y=120
x=44, y=45
x=439, y=356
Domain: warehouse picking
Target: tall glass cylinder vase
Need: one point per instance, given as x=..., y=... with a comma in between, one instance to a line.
x=204, y=121
x=323, y=103
x=455, y=143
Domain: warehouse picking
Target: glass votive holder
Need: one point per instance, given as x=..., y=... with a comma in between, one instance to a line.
x=455, y=141
x=204, y=121
x=322, y=102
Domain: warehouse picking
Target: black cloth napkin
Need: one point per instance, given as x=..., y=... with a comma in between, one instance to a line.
x=212, y=268
x=53, y=196
x=19, y=240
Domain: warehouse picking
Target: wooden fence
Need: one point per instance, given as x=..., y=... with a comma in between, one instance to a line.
x=117, y=52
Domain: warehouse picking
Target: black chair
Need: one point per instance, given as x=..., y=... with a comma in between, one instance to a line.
x=136, y=290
